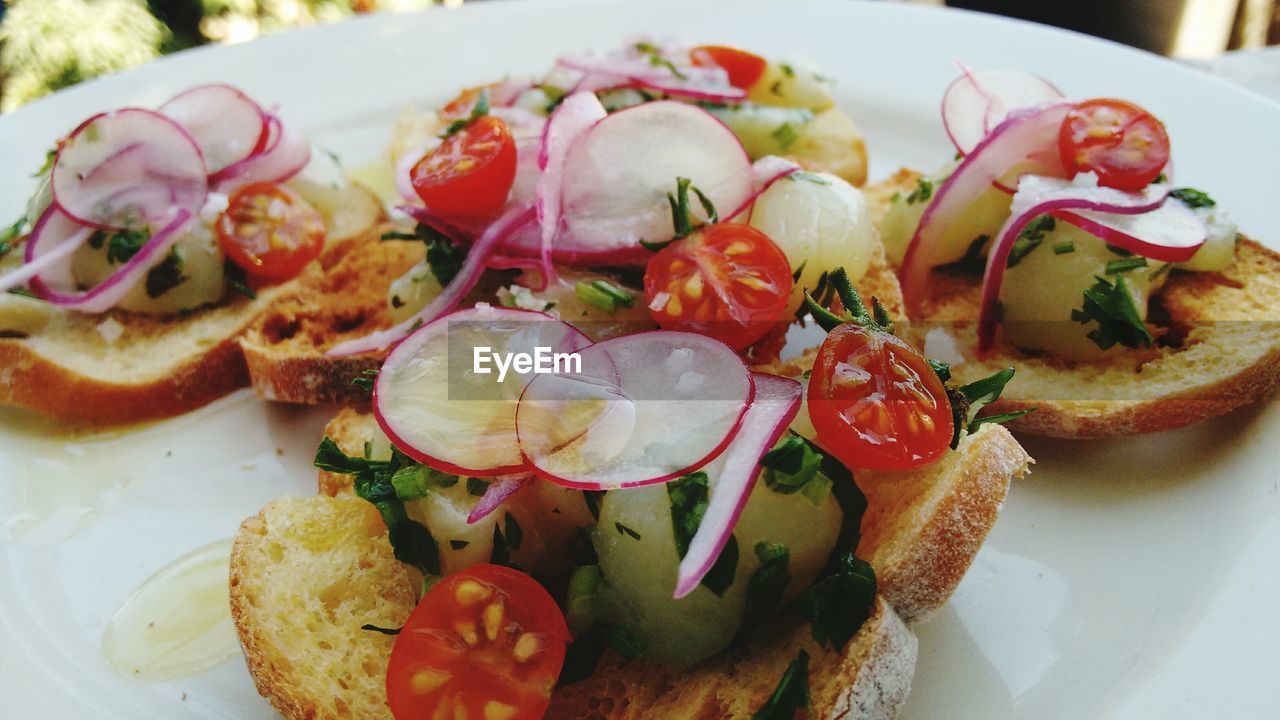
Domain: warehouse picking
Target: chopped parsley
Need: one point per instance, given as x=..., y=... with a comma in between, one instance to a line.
x=1111, y=306
x=792, y=693
x=1030, y=238
x=1123, y=265
x=411, y=542
x=689, y=496
x=922, y=192
x=167, y=275
x=1193, y=198
x=604, y=295
x=236, y=279
x=767, y=583
x=121, y=245
x=793, y=465
x=785, y=135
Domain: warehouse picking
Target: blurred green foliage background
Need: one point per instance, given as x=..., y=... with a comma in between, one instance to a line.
x=46, y=45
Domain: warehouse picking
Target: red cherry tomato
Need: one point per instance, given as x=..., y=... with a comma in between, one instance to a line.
x=744, y=68
x=1125, y=145
x=487, y=642
x=470, y=172
x=875, y=402
x=728, y=281
x=270, y=230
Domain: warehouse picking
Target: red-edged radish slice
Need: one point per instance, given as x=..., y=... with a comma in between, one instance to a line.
x=286, y=153
x=675, y=404
x=1170, y=233
x=764, y=172
x=576, y=115
x=1001, y=152
x=462, y=283
x=112, y=290
x=976, y=102
x=53, y=239
x=698, y=82
x=1038, y=196
x=500, y=488
x=226, y=124
x=121, y=167
x=617, y=176
x=776, y=402
x=436, y=408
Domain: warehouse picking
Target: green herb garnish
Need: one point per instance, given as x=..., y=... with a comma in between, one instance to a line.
x=1112, y=307
x=1123, y=265
x=793, y=465
x=1030, y=238
x=682, y=217
x=411, y=542
x=767, y=583
x=624, y=530
x=657, y=60
x=1193, y=198
x=121, y=245
x=604, y=295
x=792, y=693
x=922, y=192
x=479, y=110
x=785, y=135
x=803, y=176
x=166, y=276
x=236, y=279
x=365, y=380
x=689, y=496
x=841, y=601
x=855, y=311
x=384, y=631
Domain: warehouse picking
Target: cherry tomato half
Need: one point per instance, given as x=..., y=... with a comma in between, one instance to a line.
x=1125, y=145
x=487, y=642
x=744, y=68
x=728, y=281
x=875, y=402
x=470, y=172
x=270, y=230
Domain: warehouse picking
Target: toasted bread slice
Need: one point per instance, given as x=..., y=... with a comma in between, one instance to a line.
x=1222, y=351
x=921, y=531
x=123, y=367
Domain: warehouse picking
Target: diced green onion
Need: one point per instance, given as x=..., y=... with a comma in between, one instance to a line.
x=604, y=295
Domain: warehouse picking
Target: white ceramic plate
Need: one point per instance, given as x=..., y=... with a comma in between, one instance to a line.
x=1129, y=578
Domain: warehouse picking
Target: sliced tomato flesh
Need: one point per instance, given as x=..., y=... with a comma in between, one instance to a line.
x=875, y=401
x=471, y=172
x=744, y=68
x=728, y=281
x=270, y=231
x=1124, y=144
x=488, y=642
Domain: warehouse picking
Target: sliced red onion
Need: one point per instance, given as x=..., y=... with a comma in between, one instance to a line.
x=776, y=402
x=576, y=115
x=127, y=165
x=436, y=409
x=764, y=172
x=505, y=94
x=466, y=279
x=500, y=488
x=226, y=124
x=976, y=102
x=1038, y=196
x=618, y=174
x=698, y=83
x=287, y=152
x=646, y=408
x=1005, y=149
x=115, y=287
x=1169, y=233
x=56, y=236
x=404, y=171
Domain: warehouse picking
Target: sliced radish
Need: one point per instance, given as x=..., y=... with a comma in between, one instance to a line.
x=776, y=402
x=1009, y=147
x=764, y=172
x=1037, y=196
x=53, y=239
x=500, y=488
x=976, y=102
x=645, y=409
x=437, y=409
x=617, y=176
x=1172, y=232
x=226, y=124
x=694, y=82
x=128, y=165
x=462, y=283
x=112, y=290
x=286, y=153
x=576, y=115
